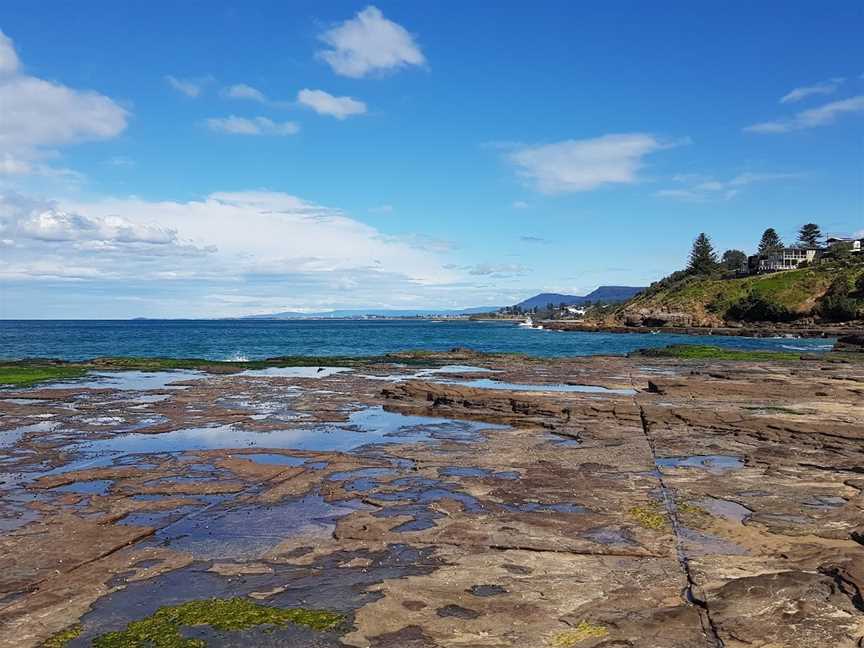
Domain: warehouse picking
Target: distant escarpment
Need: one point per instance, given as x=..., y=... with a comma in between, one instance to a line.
x=602, y=295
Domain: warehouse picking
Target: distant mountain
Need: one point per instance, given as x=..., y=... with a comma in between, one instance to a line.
x=372, y=312
x=603, y=294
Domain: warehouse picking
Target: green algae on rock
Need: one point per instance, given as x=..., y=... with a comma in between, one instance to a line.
x=63, y=637
x=649, y=516
x=24, y=374
x=708, y=352
x=162, y=628
x=580, y=633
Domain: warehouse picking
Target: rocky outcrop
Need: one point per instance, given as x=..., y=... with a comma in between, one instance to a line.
x=658, y=318
x=853, y=343
x=766, y=329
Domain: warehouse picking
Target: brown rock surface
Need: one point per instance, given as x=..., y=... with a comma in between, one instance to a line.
x=722, y=506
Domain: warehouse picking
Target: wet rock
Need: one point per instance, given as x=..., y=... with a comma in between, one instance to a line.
x=456, y=611
x=408, y=637
x=850, y=343
x=486, y=590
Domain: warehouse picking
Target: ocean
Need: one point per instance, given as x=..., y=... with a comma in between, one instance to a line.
x=256, y=339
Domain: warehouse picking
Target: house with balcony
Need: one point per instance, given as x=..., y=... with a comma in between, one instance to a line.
x=787, y=258
x=854, y=245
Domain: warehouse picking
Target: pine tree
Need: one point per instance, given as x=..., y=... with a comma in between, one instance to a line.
x=809, y=235
x=703, y=259
x=770, y=243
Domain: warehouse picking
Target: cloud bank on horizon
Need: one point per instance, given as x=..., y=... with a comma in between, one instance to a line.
x=368, y=202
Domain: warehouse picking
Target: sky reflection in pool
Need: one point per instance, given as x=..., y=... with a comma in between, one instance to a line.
x=295, y=372
x=711, y=463
x=128, y=380
x=372, y=425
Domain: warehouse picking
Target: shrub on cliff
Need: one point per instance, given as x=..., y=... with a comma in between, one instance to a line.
x=755, y=308
x=839, y=308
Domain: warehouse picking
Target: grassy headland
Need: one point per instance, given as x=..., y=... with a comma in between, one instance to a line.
x=826, y=292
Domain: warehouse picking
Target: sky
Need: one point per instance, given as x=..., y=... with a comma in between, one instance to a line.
x=212, y=159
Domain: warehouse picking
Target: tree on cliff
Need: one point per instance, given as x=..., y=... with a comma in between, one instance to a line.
x=809, y=235
x=770, y=242
x=703, y=259
x=734, y=260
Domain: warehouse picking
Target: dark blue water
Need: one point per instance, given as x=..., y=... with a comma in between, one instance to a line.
x=252, y=339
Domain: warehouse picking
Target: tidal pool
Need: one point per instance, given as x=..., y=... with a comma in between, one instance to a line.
x=273, y=458
x=711, y=463
x=372, y=425
x=10, y=437
x=295, y=372
x=725, y=508
x=426, y=373
x=128, y=380
x=236, y=532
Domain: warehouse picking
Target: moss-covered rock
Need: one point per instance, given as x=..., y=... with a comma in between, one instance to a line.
x=24, y=375
x=163, y=628
x=580, y=633
x=707, y=352
x=649, y=516
x=63, y=637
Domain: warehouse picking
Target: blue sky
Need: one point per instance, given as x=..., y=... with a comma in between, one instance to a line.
x=214, y=159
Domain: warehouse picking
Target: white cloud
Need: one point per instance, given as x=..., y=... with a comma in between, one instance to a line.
x=25, y=219
x=8, y=57
x=275, y=249
x=326, y=104
x=55, y=269
x=369, y=43
x=56, y=225
x=702, y=189
x=189, y=87
x=223, y=237
x=243, y=91
x=520, y=204
x=821, y=116
x=10, y=165
x=37, y=115
x=582, y=165
x=234, y=125
x=826, y=87
x=497, y=269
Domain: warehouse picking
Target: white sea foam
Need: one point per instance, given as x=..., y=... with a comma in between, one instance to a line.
x=813, y=348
